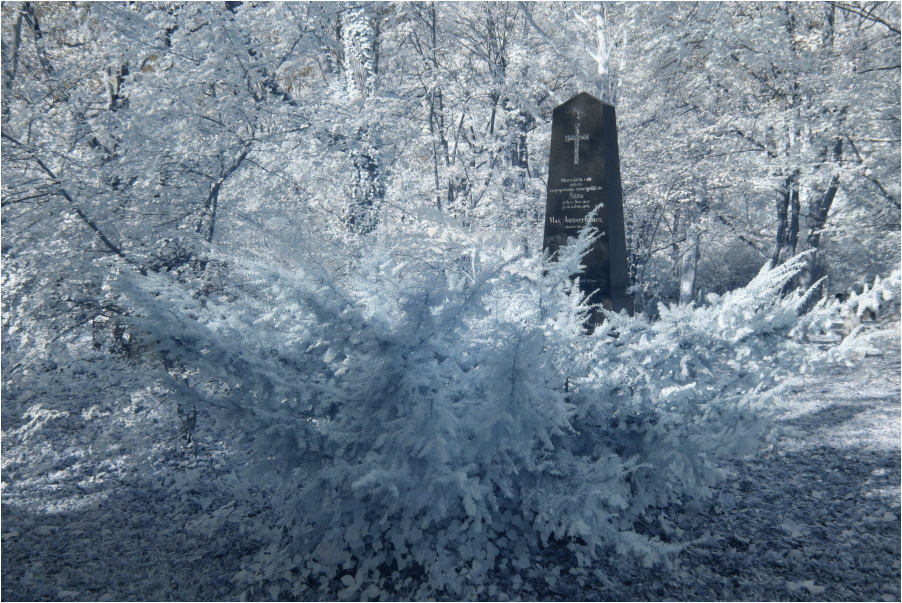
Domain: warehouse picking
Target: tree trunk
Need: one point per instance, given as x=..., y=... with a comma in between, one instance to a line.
x=792, y=238
x=818, y=211
x=435, y=153
x=211, y=204
x=31, y=18
x=829, y=20
x=784, y=198
x=368, y=187
x=440, y=152
x=690, y=263
x=359, y=43
x=689, y=266
x=11, y=62
x=639, y=254
x=675, y=232
x=115, y=76
x=518, y=127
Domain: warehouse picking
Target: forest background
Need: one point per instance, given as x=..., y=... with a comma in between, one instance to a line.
x=748, y=132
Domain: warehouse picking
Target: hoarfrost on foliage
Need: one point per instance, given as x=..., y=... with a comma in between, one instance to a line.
x=426, y=427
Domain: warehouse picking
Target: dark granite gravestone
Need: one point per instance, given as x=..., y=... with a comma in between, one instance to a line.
x=583, y=172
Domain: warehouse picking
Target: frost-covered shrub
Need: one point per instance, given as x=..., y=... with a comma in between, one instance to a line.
x=881, y=299
x=437, y=424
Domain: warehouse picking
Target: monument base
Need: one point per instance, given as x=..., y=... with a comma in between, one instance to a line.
x=611, y=304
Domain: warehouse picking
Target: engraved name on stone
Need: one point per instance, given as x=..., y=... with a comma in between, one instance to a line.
x=575, y=224
x=578, y=192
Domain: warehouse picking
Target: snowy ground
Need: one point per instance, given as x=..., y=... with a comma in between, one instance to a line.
x=93, y=512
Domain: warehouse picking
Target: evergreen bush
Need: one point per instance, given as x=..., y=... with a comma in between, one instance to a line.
x=437, y=424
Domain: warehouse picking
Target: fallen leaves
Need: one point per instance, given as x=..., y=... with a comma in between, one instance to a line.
x=794, y=528
x=807, y=585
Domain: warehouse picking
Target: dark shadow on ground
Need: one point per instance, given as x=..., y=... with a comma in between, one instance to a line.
x=828, y=515
x=134, y=542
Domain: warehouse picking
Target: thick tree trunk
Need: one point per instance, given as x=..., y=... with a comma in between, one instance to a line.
x=818, y=211
x=359, y=43
x=782, y=205
x=784, y=227
x=821, y=203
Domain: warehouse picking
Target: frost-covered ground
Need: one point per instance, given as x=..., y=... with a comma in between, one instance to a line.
x=815, y=518
x=102, y=502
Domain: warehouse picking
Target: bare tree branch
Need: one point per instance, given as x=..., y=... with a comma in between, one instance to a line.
x=79, y=212
x=865, y=14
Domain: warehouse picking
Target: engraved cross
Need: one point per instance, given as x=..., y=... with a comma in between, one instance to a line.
x=576, y=138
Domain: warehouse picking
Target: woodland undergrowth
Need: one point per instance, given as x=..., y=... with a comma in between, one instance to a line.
x=437, y=423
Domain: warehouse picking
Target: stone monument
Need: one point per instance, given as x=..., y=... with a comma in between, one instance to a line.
x=583, y=173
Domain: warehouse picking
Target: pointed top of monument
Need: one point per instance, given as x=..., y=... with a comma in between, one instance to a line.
x=586, y=95
x=584, y=98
